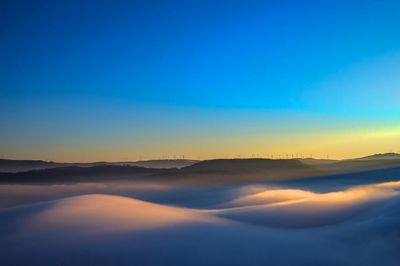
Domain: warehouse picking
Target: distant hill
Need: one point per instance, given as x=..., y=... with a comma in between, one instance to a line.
x=211, y=171
x=25, y=165
x=278, y=170
x=13, y=166
x=180, y=163
x=359, y=165
x=192, y=172
x=80, y=174
x=312, y=161
x=238, y=170
x=381, y=156
x=243, y=165
x=376, y=161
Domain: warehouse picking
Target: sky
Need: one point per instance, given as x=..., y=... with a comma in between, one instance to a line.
x=200, y=79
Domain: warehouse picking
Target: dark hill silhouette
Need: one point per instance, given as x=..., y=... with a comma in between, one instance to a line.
x=359, y=165
x=178, y=163
x=243, y=165
x=212, y=171
x=25, y=165
x=245, y=170
x=12, y=166
x=381, y=156
x=204, y=172
x=80, y=174
x=312, y=161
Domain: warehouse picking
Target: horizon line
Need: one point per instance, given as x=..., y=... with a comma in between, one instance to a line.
x=178, y=158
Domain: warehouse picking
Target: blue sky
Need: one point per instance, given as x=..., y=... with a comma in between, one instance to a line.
x=85, y=79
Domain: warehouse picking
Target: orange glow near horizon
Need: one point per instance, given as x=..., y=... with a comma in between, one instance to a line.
x=323, y=145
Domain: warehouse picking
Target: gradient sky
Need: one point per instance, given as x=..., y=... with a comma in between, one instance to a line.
x=127, y=80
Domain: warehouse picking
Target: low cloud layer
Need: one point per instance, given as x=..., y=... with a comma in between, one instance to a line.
x=258, y=226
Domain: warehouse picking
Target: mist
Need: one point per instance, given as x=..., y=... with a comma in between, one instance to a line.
x=253, y=224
